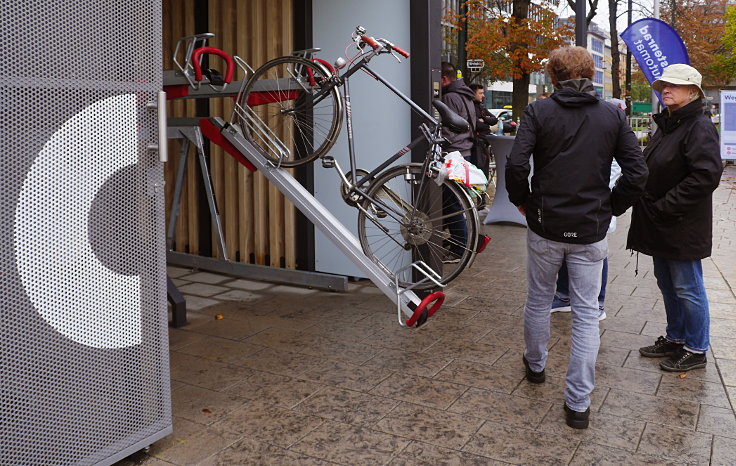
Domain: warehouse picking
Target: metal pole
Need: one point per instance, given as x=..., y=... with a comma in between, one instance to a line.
x=655, y=100
x=581, y=28
x=462, y=38
x=629, y=98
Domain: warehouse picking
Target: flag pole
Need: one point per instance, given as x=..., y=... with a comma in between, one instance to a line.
x=655, y=100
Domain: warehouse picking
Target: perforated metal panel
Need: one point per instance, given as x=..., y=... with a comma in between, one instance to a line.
x=83, y=328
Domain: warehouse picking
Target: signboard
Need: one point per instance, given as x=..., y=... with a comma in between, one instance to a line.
x=475, y=64
x=728, y=125
x=655, y=46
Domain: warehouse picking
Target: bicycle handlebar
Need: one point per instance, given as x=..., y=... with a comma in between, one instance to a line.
x=388, y=45
x=370, y=41
x=400, y=51
x=215, y=51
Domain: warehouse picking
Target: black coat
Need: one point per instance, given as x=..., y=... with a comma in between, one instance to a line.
x=674, y=218
x=484, y=121
x=574, y=137
x=459, y=97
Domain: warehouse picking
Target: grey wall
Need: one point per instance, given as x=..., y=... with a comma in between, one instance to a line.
x=381, y=121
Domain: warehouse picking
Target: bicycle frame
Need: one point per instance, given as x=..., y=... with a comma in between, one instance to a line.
x=431, y=130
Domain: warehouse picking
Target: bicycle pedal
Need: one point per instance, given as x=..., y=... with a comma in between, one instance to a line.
x=328, y=162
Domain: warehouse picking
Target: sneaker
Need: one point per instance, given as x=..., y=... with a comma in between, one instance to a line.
x=531, y=376
x=683, y=361
x=577, y=419
x=560, y=305
x=661, y=348
x=451, y=259
x=601, y=314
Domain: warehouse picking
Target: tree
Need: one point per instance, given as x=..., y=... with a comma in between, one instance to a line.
x=513, y=37
x=641, y=91
x=725, y=59
x=700, y=24
x=615, y=57
x=592, y=9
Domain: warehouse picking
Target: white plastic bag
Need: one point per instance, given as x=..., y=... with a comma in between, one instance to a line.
x=461, y=170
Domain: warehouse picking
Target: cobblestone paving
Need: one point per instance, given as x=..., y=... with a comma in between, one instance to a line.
x=297, y=376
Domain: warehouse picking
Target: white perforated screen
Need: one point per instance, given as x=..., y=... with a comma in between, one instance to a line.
x=83, y=342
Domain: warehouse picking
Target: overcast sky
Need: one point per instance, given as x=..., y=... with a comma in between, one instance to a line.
x=601, y=16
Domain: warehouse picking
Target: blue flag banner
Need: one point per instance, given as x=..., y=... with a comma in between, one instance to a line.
x=655, y=45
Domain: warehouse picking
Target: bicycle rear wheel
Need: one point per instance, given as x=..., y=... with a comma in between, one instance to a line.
x=419, y=221
x=291, y=111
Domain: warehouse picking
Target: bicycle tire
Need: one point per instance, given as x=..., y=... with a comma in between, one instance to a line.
x=279, y=114
x=421, y=234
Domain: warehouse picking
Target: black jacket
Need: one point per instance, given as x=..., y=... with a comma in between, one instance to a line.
x=484, y=119
x=459, y=97
x=573, y=137
x=674, y=218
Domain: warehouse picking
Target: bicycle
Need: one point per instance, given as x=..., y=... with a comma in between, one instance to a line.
x=291, y=110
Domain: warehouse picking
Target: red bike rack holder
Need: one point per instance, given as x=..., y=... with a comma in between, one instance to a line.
x=213, y=134
x=437, y=298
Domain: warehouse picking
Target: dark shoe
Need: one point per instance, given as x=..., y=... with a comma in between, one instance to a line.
x=683, y=361
x=531, y=376
x=661, y=348
x=577, y=419
x=560, y=305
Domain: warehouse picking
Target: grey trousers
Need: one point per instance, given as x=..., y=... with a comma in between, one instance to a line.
x=584, y=265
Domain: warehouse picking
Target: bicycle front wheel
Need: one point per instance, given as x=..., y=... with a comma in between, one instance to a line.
x=291, y=111
x=415, y=219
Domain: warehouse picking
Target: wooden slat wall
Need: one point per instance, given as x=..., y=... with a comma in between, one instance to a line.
x=176, y=25
x=259, y=224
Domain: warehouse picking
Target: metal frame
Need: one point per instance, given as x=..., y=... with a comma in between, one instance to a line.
x=322, y=218
x=188, y=130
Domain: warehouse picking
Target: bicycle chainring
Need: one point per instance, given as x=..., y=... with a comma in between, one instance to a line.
x=353, y=199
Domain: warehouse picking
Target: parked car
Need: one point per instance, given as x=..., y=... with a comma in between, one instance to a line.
x=504, y=115
x=501, y=113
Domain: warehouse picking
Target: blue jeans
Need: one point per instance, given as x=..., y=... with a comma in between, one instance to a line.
x=585, y=267
x=685, y=301
x=455, y=224
x=563, y=288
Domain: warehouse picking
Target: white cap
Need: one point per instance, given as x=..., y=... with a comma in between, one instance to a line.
x=681, y=74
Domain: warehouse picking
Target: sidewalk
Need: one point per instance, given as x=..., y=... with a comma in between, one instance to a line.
x=296, y=376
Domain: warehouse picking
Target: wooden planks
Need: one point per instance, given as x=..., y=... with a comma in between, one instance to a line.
x=259, y=224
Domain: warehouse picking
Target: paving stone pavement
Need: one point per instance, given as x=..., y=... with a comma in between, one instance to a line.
x=298, y=376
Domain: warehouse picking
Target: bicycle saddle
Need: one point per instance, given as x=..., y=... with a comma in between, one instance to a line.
x=450, y=119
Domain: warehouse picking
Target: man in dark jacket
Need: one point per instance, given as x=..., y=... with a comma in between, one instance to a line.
x=459, y=97
x=483, y=122
x=573, y=137
x=673, y=221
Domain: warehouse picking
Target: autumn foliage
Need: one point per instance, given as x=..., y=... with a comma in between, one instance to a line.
x=701, y=25
x=511, y=46
x=724, y=63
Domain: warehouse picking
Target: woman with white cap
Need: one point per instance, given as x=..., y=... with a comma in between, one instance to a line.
x=673, y=221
